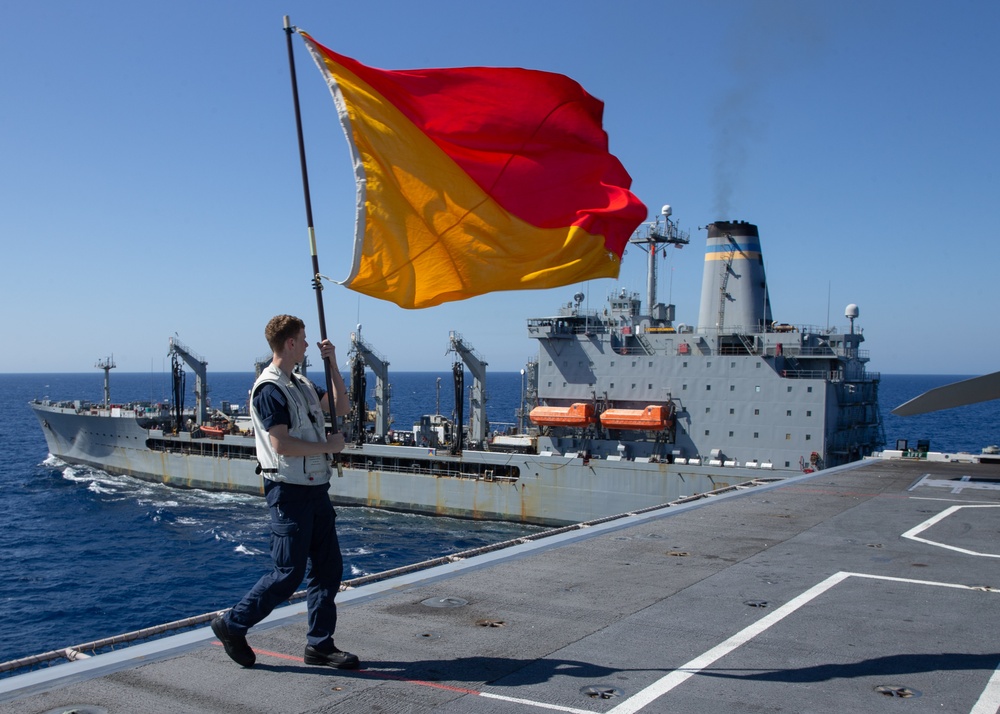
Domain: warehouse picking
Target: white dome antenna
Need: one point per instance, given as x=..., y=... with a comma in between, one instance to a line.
x=851, y=312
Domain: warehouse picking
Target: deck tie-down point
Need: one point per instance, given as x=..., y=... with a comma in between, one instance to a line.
x=445, y=602
x=601, y=692
x=896, y=692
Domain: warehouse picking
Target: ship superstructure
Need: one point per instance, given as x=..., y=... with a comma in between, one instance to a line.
x=737, y=389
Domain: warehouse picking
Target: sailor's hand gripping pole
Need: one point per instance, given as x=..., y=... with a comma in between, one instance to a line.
x=312, y=236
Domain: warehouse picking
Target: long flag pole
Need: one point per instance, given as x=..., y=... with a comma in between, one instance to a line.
x=317, y=276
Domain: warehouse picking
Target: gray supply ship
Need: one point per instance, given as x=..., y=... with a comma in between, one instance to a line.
x=624, y=409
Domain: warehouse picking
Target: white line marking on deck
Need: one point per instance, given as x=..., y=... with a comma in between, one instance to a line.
x=541, y=705
x=684, y=672
x=912, y=533
x=989, y=700
x=956, y=486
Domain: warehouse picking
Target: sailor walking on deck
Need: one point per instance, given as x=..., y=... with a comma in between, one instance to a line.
x=293, y=453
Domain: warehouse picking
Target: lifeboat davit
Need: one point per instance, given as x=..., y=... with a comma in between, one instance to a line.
x=655, y=417
x=578, y=414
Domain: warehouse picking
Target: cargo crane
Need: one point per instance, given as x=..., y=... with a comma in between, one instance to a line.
x=477, y=419
x=200, y=368
x=364, y=354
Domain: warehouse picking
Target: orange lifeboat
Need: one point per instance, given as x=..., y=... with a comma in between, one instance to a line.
x=578, y=414
x=213, y=432
x=655, y=417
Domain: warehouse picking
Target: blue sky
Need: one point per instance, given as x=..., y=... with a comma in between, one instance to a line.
x=149, y=180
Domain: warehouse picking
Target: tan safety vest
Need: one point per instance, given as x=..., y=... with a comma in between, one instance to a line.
x=302, y=402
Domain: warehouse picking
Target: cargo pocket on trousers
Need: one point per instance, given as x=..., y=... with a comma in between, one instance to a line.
x=283, y=542
x=283, y=529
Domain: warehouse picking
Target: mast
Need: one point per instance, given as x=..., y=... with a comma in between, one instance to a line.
x=656, y=234
x=107, y=365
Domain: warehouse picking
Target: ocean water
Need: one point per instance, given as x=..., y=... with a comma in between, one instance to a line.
x=967, y=428
x=85, y=555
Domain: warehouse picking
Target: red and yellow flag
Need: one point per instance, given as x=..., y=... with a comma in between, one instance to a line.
x=477, y=179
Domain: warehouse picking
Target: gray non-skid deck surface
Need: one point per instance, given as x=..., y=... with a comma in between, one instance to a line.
x=806, y=597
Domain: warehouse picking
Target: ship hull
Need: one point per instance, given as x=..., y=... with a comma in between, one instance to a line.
x=542, y=489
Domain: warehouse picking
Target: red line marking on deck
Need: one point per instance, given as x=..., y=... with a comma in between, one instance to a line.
x=369, y=672
x=830, y=492
x=375, y=674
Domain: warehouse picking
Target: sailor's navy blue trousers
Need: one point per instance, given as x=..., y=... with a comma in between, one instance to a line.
x=304, y=545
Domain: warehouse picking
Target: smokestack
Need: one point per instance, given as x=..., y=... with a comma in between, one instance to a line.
x=734, y=289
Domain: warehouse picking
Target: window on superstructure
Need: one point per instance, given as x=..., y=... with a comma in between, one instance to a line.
x=732, y=364
x=809, y=389
x=758, y=365
x=633, y=385
x=809, y=414
x=612, y=363
x=633, y=363
x=789, y=389
x=706, y=432
x=730, y=434
x=708, y=409
x=788, y=437
x=709, y=363
x=550, y=384
x=684, y=387
x=809, y=437
x=732, y=387
x=757, y=388
x=650, y=364
x=756, y=412
x=708, y=387
x=732, y=411
x=649, y=386
x=786, y=464
x=756, y=435
x=684, y=364
x=788, y=413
